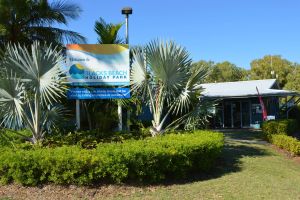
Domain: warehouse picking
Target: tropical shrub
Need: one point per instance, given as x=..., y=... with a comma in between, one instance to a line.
x=287, y=142
x=278, y=133
x=84, y=139
x=32, y=84
x=90, y=139
x=148, y=160
x=163, y=78
x=285, y=127
x=11, y=138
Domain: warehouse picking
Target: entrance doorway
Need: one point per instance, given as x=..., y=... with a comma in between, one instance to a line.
x=237, y=114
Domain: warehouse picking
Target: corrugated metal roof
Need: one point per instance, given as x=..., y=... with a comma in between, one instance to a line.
x=242, y=89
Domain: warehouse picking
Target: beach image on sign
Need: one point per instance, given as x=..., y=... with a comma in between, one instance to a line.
x=98, y=64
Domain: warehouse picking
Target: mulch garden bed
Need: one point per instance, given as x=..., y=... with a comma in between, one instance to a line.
x=286, y=153
x=54, y=192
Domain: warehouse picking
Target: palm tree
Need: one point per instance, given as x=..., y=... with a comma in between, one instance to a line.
x=30, y=20
x=108, y=34
x=162, y=75
x=32, y=84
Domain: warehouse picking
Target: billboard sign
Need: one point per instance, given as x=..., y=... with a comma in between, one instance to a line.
x=98, y=64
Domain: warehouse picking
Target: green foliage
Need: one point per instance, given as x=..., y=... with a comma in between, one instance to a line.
x=269, y=128
x=295, y=114
x=148, y=160
x=162, y=77
x=90, y=139
x=103, y=114
x=287, y=142
x=100, y=114
x=285, y=127
x=108, y=32
x=277, y=132
x=293, y=80
x=10, y=138
x=288, y=126
x=222, y=72
x=262, y=68
x=26, y=21
x=33, y=80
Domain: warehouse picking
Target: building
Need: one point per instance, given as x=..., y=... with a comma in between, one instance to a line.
x=238, y=106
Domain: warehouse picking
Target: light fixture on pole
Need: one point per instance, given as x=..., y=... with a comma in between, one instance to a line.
x=127, y=11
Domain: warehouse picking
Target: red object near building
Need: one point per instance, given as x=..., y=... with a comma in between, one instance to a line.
x=264, y=111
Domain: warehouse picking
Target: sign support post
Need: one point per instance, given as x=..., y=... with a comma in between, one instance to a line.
x=78, y=113
x=120, y=125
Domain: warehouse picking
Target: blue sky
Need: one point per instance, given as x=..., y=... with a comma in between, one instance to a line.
x=218, y=30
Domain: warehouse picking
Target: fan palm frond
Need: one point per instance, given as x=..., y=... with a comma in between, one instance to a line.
x=11, y=102
x=139, y=74
x=197, y=117
x=36, y=84
x=53, y=116
x=190, y=91
x=41, y=67
x=170, y=65
x=163, y=73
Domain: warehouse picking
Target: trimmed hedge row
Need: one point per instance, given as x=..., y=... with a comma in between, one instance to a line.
x=148, y=160
x=287, y=142
x=278, y=133
x=285, y=127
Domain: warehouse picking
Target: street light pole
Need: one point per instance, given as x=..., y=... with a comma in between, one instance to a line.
x=125, y=11
x=126, y=33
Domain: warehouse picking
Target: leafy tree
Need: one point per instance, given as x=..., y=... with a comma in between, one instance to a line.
x=222, y=72
x=25, y=21
x=262, y=69
x=31, y=86
x=166, y=81
x=226, y=71
x=203, y=64
x=293, y=80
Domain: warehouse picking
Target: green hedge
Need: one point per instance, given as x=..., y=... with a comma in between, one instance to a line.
x=285, y=127
x=278, y=133
x=84, y=139
x=148, y=160
x=287, y=142
x=11, y=138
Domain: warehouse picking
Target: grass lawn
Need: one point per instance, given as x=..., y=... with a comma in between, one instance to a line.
x=249, y=169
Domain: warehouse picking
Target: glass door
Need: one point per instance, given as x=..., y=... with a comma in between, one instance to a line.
x=236, y=114
x=246, y=114
x=227, y=115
